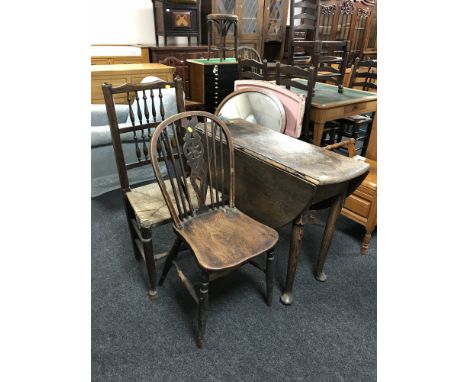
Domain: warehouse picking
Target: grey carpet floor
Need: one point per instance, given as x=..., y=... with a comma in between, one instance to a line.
x=328, y=334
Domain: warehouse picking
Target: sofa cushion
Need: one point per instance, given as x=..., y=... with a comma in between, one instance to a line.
x=99, y=114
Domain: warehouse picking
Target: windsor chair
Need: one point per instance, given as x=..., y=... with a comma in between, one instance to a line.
x=196, y=149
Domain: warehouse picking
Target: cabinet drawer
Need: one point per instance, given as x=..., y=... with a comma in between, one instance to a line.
x=224, y=78
x=358, y=205
x=96, y=87
x=364, y=193
x=213, y=99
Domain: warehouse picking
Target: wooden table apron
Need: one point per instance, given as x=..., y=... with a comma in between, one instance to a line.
x=329, y=105
x=278, y=180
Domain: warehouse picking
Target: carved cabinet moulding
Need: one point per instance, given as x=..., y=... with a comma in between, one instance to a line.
x=347, y=7
x=328, y=10
x=362, y=13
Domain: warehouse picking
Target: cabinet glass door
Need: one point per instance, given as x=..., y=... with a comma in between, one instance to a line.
x=249, y=17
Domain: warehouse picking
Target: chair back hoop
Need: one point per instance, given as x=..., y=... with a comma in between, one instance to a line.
x=246, y=52
x=172, y=61
x=266, y=92
x=252, y=69
x=294, y=104
x=197, y=151
x=364, y=75
x=146, y=110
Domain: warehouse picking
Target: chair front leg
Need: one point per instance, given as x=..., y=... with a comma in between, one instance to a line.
x=270, y=267
x=147, y=241
x=202, y=308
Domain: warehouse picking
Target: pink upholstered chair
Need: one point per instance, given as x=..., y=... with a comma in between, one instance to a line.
x=293, y=104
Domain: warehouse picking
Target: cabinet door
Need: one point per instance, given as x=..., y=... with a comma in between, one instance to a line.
x=275, y=15
x=250, y=20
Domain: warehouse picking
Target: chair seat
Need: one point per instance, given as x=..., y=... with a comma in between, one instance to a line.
x=225, y=238
x=149, y=205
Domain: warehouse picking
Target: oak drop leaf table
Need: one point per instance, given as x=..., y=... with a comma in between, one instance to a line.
x=279, y=179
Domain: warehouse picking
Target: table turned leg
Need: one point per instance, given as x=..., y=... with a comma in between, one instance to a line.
x=294, y=251
x=318, y=133
x=335, y=210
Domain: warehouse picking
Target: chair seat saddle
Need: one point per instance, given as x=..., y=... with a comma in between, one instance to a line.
x=226, y=238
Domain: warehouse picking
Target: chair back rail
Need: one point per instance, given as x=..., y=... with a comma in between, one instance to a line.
x=251, y=69
x=199, y=158
x=364, y=74
x=246, y=52
x=288, y=75
x=146, y=111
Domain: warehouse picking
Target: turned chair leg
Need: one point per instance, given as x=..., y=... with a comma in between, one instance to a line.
x=169, y=259
x=147, y=241
x=202, y=308
x=269, y=275
x=133, y=235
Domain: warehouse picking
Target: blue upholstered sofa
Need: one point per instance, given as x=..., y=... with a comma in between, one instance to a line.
x=104, y=175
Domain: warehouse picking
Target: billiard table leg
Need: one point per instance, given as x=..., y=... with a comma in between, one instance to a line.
x=297, y=233
x=335, y=210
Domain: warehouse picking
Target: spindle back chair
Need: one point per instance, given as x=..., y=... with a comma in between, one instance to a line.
x=197, y=150
x=250, y=69
x=144, y=205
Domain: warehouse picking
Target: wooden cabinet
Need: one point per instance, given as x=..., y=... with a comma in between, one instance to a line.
x=352, y=20
x=361, y=205
x=119, y=54
x=211, y=81
x=177, y=18
x=124, y=73
x=262, y=23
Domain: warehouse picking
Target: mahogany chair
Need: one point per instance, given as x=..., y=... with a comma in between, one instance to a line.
x=303, y=79
x=183, y=72
x=252, y=69
x=364, y=77
x=246, y=52
x=196, y=149
x=304, y=18
x=144, y=204
x=329, y=57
